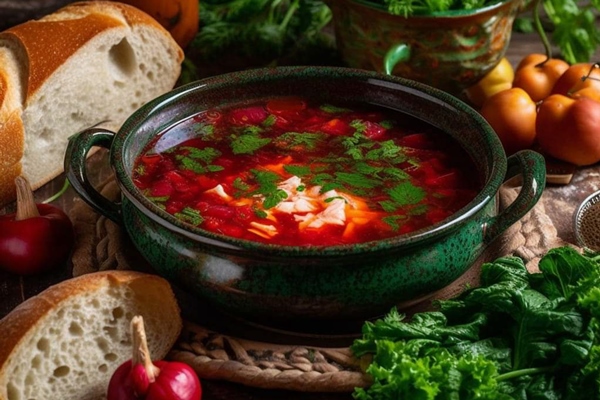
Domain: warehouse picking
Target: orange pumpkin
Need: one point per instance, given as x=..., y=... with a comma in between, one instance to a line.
x=179, y=17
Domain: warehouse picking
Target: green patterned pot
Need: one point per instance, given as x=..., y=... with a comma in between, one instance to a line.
x=265, y=282
x=450, y=50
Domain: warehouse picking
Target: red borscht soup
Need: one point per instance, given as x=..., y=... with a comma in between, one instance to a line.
x=288, y=172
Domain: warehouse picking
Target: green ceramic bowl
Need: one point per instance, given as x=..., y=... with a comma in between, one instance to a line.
x=448, y=50
x=261, y=282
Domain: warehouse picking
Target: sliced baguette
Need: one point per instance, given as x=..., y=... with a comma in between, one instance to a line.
x=66, y=342
x=88, y=62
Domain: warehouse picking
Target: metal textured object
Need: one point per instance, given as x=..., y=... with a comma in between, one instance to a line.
x=587, y=222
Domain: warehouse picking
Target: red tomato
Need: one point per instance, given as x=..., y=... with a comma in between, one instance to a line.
x=512, y=114
x=569, y=129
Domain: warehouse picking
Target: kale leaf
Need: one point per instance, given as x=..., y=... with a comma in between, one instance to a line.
x=519, y=335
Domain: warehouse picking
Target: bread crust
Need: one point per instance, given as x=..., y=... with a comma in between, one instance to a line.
x=41, y=48
x=30, y=316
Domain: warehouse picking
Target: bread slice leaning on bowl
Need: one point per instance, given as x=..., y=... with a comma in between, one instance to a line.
x=66, y=342
x=88, y=62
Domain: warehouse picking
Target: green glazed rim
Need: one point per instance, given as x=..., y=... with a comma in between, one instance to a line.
x=497, y=165
x=449, y=13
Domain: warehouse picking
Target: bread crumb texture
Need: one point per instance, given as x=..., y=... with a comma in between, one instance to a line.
x=85, y=64
x=72, y=351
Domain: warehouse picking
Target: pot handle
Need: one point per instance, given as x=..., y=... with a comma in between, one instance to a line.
x=532, y=168
x=396, y=54
x=78, y=148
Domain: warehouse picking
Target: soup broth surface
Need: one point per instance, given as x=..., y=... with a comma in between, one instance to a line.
x=286, y=171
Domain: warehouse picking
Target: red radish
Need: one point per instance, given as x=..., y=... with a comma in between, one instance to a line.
x=140, y=378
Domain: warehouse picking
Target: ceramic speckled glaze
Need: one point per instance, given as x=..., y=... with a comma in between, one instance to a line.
x=450, y=50
x=265, y=282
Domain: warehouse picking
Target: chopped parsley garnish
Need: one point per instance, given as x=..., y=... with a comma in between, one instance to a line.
x=240, y=186
x=274, y=198
x=206, y=155
x=328, y=108
x=357, y=180
x=267, y=181
x=204, y=129
x=158, y=199
x=248, y=142
x=395, y=221
x=260, y=213
x=330, y=199
x=307, y=140
x=387, y=124
x=359, y=125
x=197, y=167
x=199, y=160
x=388, y=206
x=297, y=170
x=267, y=186
x=190, y=215
x=269, y=121
x=405, y=193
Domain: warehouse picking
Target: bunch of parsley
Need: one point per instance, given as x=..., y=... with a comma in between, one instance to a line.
x=407, y=8
x=263, y=32
x=575, y=27
x=517, y=336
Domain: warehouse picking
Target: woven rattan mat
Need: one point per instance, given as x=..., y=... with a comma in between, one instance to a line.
x=102, y=245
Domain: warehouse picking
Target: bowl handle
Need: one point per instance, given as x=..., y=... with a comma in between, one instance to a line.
x=78, y=148
x=532, y=168
x=396, y=54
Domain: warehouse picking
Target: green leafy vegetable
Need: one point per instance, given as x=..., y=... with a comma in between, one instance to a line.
x=267, y=186
x=248, y=142
x=190, y=215
x=573, y=25
x=199, y=160
x=300, y=139
x=357, y=180
x=264, y=31
x=407, y=8
x=576, y=30
x=405, y=193
x=298, y=170
x=328, y=108
x=520, y=335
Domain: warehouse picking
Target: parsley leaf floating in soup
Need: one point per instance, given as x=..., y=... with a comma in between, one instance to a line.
x=287, y=171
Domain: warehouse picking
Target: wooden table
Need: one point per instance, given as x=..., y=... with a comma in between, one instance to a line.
x=14, y=289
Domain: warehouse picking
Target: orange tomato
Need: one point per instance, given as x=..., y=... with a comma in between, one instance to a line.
x=590, y=92
x=531, y=59
x=512, y=114
x=538, y=77
x=578, y=77
x=569, y=129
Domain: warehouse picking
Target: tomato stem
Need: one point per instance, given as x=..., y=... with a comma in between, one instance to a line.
x=141, y=354
x=542, y=34
x=26, y=207
x=589, y=74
